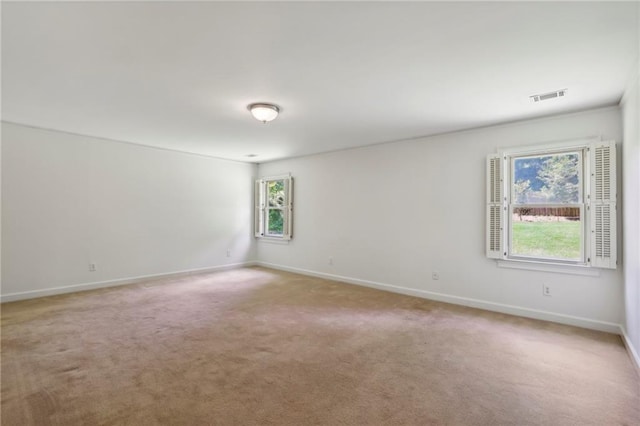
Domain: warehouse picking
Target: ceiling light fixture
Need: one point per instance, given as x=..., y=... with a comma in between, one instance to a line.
x=264, y=112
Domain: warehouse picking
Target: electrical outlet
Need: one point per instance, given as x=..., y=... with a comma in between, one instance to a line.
x=546, y=289
x=228, y=252
x=330, y=260
x=92, y=267
x=435, y=276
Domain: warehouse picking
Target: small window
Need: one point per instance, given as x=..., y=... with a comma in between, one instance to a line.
x=553, y=204
x=273, y=207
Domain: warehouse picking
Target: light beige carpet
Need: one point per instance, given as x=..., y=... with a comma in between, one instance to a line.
x=259, y=347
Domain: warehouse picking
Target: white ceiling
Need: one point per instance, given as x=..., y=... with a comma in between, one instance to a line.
x=180, y=75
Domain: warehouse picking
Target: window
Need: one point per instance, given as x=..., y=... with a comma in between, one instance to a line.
x=273, y=207
x=554, y=204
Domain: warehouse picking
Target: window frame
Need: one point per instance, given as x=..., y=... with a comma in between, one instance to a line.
x=262, y=208
x=512, y=204
x=501, y=197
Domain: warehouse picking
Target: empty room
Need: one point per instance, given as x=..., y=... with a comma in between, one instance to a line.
x=320, y=213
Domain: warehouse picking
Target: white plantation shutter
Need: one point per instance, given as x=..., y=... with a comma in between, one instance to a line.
x=259, y=204
x=495, y=242
x=288, y=209
x=603, y=205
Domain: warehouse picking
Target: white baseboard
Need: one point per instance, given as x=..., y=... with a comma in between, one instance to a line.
x=633, y=354
x=464, y=301
x=457, y=300
x=12, y=297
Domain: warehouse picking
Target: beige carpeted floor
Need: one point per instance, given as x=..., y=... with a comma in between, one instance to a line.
x=258, y=347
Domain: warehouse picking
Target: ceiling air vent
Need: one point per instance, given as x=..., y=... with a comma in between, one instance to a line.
x=547, y=96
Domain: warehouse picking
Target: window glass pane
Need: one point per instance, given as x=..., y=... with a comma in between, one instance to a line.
x=275, y=222
x=547, y=179
x=275, y=189
x=547, y=232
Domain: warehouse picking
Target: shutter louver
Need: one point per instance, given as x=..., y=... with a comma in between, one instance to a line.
x=603, y=205
x=288, y=216
x=494, y=247
x=259, y=205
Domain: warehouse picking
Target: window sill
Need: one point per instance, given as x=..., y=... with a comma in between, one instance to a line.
x=272, y=240
x=549, y=267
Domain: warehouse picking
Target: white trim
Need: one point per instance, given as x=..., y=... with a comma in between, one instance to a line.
x=12, y=297
x=261, y=196
x=492, y=126
x=272, y=240
x=276, y=177
x=549, y=267
x=551, y=147
x=457, y=300
x=632, y=81
x=633, y=354
x=137, y=144
x=475, y=303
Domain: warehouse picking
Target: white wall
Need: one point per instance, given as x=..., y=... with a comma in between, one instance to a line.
x=388, y=215
x=631, y=206
x=69, y=200
x=0, y=206
x=391, y=214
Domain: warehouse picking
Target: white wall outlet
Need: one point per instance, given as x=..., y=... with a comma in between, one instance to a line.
x=228, y=252
x=435, y=276
x=331, y=260
x=92, y=267
x=546, y=289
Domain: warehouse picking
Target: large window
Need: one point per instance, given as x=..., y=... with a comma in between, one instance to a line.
x=273, y=207
x=553, y=204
